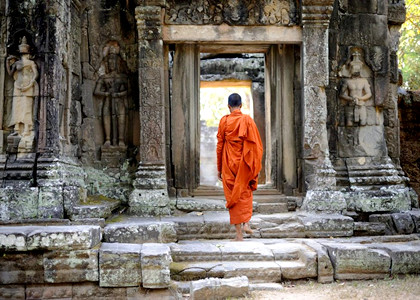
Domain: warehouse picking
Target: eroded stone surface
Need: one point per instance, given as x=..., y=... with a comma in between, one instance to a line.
x=326, y=225
x=356, y=261
x=72, y=266
x=139, y=231
x=155, y=261
x=216, y=288
x=119, y=265
x=64, y=238
x=21, y=268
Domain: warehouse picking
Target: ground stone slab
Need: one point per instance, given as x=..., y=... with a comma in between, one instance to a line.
x=216, y=288
x=71, y=266
x=139, y=232
x=119, y=265
x=64, y=238
x=356, y=261
x=155, y=261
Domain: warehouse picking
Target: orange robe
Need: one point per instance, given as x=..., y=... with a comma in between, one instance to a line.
x=239, y=156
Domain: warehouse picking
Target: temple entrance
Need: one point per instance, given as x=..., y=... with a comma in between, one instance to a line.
x=197, y=89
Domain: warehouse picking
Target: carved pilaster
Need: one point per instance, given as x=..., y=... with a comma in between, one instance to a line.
x=318, y=171
x=150, y=196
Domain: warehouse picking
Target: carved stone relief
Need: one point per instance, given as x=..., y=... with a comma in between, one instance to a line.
x=25, y=74
x=232, y=12
x=112, y=87
x=361, y=130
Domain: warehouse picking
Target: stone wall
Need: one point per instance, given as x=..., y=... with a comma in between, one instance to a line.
x=409, y=116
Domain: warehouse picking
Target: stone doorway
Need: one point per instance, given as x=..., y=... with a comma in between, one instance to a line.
x=276, y=106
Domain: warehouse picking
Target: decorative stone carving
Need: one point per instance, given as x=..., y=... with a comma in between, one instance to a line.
x=113, y=88
x=356, y=91
x=232, y=12
x=25, y=73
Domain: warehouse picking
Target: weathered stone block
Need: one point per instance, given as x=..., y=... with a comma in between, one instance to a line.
x=324, y=201
x=139, y=231
x=192, y=270
x=403, y=223
x=49, y=291
x=325, y=268
x=18, y=203
x=64, y=238
x=13, y=238
x=385, y=219
x=73, y=266
x=355, y=261
x=21, y=268
x=216, y=288
x=13, y=292
x=296, y=261
x=251, y=251
x=369, y=228
x=119, y=265
x=415, y=215
x=50, y=202
x=327, y=225
x=256, y=271
x=155, y=261
x=195, y=252
x=405, y=256
x=93, y=291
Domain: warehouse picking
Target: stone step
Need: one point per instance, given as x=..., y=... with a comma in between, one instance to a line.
x=258, y=261
x=216, y=225
x=94, y=207
x=263, y=203
x=65, y=238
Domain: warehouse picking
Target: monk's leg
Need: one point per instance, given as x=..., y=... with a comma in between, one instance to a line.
x=247, y=228
x=239, y=236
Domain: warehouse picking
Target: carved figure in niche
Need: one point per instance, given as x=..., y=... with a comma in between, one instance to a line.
x=113, y=87
x=25, y=73
x=357, y=92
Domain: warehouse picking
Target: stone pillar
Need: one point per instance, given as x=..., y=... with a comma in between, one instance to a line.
x=150, y=195
x=318, y=171
x=3, y=28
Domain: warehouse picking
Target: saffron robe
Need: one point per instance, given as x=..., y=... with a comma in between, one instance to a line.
x=239, y=156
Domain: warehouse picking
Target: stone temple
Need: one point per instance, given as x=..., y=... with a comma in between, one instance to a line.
x=107, y=142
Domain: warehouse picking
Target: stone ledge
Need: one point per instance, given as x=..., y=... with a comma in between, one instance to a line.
x=27, y=238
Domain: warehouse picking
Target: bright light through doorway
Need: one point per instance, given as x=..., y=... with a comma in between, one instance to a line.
x=213, y=106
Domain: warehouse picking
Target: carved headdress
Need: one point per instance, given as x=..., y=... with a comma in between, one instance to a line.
x=24, y=47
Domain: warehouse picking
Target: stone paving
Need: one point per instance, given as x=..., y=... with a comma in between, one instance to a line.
x=132, y=255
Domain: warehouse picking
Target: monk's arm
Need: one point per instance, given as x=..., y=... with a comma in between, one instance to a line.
x=220, y=143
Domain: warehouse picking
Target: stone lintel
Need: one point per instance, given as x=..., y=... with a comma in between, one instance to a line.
x=224, y=34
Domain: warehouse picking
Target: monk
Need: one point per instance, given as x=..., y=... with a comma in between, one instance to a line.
x=239, y=155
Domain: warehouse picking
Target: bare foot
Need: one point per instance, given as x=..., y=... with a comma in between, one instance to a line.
x=248, y=229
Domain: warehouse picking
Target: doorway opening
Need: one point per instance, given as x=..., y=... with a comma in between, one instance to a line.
x=213, y=106
x=201, y=79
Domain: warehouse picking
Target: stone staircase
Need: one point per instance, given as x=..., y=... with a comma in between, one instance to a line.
x=126, y=256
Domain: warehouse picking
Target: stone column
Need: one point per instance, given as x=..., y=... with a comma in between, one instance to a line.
x=3, y=28
x=318, y=171
x=150, y=195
